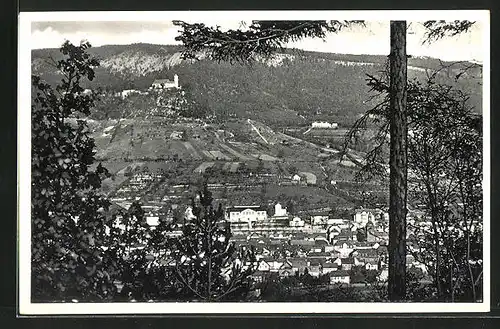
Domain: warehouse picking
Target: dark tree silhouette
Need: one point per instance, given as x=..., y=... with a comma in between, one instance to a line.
x=208, y=265
x=436, y=30
x=397, y=162
x=68, y=224
x=445, y=162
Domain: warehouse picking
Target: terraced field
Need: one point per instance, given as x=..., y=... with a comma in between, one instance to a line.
x=192, y=150
x=235, y=153
x=221, y=147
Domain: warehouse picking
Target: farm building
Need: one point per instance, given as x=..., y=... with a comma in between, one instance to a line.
x=310, y=178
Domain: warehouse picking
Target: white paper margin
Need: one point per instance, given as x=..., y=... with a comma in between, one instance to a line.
x=24, y=168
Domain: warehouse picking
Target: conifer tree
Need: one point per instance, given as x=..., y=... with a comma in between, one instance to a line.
x=208, y=264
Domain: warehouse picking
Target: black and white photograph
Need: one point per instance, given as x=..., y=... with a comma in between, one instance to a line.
x=253, y=162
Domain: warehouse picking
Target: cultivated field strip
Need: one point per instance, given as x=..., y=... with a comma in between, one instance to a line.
x=265, y=157
x=208, y=155
x=218, y=155
x=236, y=153
x=234, y=166
x=192, y=150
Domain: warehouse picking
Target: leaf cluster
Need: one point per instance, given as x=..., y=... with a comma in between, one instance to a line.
x=67, y=208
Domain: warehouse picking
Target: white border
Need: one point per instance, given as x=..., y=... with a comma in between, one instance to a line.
x=24, y=167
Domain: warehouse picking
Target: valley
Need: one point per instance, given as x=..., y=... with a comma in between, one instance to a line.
x=246, y=130
x=243, y=161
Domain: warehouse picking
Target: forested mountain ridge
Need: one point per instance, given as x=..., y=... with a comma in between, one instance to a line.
x=292, y=87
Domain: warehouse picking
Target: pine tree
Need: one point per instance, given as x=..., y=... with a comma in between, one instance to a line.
x=398, y=124
x=445, y=162
x=208, y=265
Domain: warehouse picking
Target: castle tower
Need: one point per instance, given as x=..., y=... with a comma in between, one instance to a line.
x=176, y=81
x=279, y=211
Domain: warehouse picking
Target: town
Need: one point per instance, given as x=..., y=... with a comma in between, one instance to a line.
x=345, y=250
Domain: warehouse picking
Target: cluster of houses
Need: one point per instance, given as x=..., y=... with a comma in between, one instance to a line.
x=335, y=263
x=287, y=245
x=319, y=245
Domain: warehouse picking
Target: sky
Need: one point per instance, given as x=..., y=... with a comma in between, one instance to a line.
x=372, y=39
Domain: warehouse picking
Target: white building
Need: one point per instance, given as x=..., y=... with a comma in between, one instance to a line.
x=335, y=221
x=177, y=135
x=371, y=265
x=188, y=214
x=279, y=211
x=152, y=220
x=329, y=267
x=264, y=266
x=166, y=83
x=344, y=249
x=324, y=125
x=339, y=277
x=126, y=93
x=384, y=275
x=319, y=219
x=363, y=216
x=246, y=214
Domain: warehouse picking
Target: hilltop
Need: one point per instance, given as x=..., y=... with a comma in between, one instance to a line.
x=294, y=87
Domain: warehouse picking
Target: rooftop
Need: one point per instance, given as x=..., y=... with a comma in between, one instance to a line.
x=349, y=260
x=339, y=273
x=241, y=208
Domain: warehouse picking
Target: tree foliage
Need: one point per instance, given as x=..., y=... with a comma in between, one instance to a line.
x=445, y=176
x=261, y=38
x=68, y=224
x=436, y=30
x=208, y=264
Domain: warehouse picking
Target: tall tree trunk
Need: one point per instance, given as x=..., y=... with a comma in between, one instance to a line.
x=398, y=162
